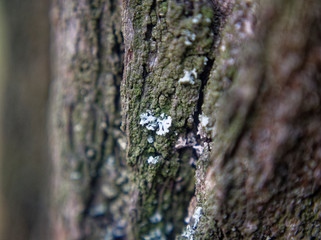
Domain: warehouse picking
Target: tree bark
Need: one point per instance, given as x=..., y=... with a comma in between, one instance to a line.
x=220, y=112
x=91, y=179
x=169, y=52
x=263, y=176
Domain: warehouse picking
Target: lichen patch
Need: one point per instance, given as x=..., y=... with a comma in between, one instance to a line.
x=161, y=123
x=189, y=77
x=153, y=160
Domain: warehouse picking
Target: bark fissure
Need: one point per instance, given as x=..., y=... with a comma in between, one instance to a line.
x=204, y=79
x=95, y=177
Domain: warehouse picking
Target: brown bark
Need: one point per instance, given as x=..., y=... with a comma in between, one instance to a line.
x=24, y=164
x=169, y=48
x=240, y=82
x=263, y=180
x=91, y=179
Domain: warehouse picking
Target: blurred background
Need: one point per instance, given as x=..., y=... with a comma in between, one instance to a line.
x=24, y=84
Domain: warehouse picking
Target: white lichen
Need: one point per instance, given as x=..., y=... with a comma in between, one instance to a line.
x=156, y=218
x=153, y=160
x=189, y=37
x=149, y=120
x=204, y=120
x=161, y=124
x=205, y=60
x=197, y=215
x=199, y=149
x=197, y=19
x=189, y=77
x=188, y=42
x=150, y=139
x=164, y=124
x=193, y=36
x=188, y=233
x=223, y=48
x=180, y=143
x=190, y=230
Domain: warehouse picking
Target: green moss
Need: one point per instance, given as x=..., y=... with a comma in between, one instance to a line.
x=154, y=86
x=207, y=13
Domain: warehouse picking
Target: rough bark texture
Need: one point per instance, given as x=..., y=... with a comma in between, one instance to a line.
x=263, y=181
x=223, y=92
x=169, y=52
x=90, y=171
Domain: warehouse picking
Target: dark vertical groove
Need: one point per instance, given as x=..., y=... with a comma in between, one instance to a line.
x=93, y=185
x=204, y=79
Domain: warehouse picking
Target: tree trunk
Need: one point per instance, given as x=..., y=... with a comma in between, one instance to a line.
x=91, y=179
x=24, y=84
x=220, y=112
x=263, y=179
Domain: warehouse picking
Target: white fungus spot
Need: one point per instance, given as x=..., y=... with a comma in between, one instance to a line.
x=197, y=215
x=189, y=37
x=204, y=120
x=149, y=120
x=156, y=218
x=162, y=124
x=150, y=139
x=188, y=233
x=187, y=42
x=153, y=160
x=197, y=19
x=193, y=36
x=205, y=60
x=181, y=143
x=223, y=48
x=189, y=77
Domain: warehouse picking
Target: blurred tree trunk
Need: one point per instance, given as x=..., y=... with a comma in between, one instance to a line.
x=90, y=179
x=24, y=157
x=220, y=113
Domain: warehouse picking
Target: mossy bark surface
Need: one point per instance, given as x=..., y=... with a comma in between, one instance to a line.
x=169, y=52
x=262, y=179
x=91, y=179
x=220, y=112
